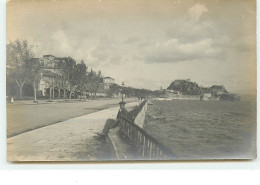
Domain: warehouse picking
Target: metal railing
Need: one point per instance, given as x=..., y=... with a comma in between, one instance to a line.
x=147, y=147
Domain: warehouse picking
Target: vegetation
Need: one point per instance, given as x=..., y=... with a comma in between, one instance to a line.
x=25, y=72
x=19, y=54
x=191, y=88
x=35, y=75
x=216, y=89
x=185, y=87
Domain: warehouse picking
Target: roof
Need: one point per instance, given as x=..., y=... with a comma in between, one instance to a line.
x=45, y=56
x=182, y=80
x=55, y=58
x=217, y=86
x=107, y=77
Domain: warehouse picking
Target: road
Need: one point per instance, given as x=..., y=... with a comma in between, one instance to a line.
x=26, y=117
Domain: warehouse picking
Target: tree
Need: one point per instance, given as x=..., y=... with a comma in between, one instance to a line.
x=80, y=76
x=49, y=80
x=59, y=82
x=68, y=71
x=18, y=55
x=93, y=82
x=35, y=74
x=63, y=78
x=113, y=90
x=90, y=77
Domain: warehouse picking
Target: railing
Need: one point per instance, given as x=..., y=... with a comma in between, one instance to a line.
x=147, y=147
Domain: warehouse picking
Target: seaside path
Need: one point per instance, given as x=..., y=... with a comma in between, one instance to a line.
x=23, y=116
x=71, y=140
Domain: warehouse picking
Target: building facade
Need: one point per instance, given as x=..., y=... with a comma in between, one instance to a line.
x=51, y=68
x=107, y=81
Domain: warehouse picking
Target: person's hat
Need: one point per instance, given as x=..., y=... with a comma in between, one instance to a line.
x=122, y=102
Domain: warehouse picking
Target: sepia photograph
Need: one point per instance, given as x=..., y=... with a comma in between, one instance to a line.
x=131, y=80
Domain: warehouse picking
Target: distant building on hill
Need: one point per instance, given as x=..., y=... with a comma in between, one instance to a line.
x=217, y=90
x=204, y=90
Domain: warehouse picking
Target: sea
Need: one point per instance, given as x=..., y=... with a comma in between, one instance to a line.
x=195, y=129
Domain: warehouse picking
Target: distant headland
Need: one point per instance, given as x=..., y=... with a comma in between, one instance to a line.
x=186, y=89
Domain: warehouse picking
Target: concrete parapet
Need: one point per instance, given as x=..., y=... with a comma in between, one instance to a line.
x=140, y=118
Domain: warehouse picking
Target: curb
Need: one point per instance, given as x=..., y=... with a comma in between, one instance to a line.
x=114, y=146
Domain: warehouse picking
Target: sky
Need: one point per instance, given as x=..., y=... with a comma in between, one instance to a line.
x=144, y=43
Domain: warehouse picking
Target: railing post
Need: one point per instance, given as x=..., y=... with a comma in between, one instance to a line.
x=148, y=148
x=132, y=132
x=128, y=129
x=151, y=150
x=143, y=143
x=146, y=143
x=157, y=152
x=134, y=135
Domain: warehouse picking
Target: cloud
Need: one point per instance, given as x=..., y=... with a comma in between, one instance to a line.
x=109, y=51
x=61, y=42
x=197, y=11
x=193, y=39
x=191, y=28
x=188, y=30
x=173, y=51
x=131, y=40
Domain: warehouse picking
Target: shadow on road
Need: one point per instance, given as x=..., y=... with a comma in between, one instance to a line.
x=97, y=149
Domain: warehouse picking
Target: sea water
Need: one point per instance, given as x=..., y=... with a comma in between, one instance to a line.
x=204, y=129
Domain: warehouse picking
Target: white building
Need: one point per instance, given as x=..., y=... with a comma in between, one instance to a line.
x=107, y=81
x=50, y=65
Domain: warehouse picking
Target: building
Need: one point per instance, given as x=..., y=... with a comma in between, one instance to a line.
x=107, y=81
x=51, y=67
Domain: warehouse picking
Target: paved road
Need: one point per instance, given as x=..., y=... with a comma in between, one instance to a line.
x=71, y=140
x=25, y=117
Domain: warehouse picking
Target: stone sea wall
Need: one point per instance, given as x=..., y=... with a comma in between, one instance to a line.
x=140, y=118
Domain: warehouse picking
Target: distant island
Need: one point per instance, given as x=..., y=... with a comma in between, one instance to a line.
x=186, y=89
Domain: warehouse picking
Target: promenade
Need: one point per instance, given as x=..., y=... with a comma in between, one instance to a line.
x=71, y=140
x=23, y=116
